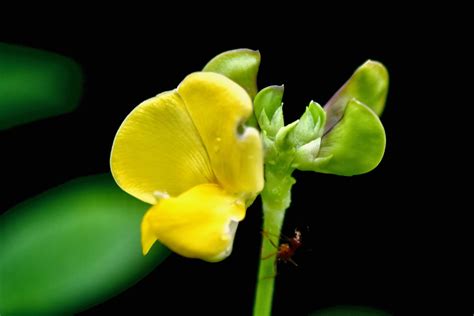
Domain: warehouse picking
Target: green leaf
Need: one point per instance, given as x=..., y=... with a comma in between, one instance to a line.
x=368, y=84
x=350, y=311
x=354, y=146
x=72, y=247
x=240, y=65
x=35, y=84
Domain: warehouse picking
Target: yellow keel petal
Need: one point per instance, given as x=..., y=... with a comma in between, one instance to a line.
x=200, y=223
x=148, y=235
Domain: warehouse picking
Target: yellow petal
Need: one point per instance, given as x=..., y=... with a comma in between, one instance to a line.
x=200, y=223
x=158, y=150
x=218, y=107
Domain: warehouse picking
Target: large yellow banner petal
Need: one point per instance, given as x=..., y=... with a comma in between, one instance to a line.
x=158, y=150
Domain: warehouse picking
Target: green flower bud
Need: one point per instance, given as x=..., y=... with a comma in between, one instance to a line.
x=355, y=145
x=239, y=65
x=368, y=84
x=310, y=126
x=268, y=110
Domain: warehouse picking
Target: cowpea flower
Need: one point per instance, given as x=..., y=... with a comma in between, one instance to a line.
x=188, y=153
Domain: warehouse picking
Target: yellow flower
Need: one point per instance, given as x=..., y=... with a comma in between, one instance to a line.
x=187, y=152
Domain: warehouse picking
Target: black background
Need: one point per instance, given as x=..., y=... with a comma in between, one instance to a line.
x=364, y=243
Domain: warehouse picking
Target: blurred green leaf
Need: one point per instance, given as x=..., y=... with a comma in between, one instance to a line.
x=72, y=247
x=36, y=84
x=368, y=84
x=349, y=311
x=240, y=65
x=354, y=146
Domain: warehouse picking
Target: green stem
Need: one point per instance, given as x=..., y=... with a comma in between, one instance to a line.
x=276, y=198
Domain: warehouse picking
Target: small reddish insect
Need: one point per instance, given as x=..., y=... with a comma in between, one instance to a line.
x=285, y=251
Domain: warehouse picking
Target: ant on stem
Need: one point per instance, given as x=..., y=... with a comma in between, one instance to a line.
x=285, y=251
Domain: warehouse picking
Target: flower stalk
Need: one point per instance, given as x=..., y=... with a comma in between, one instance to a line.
x=276, y=198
